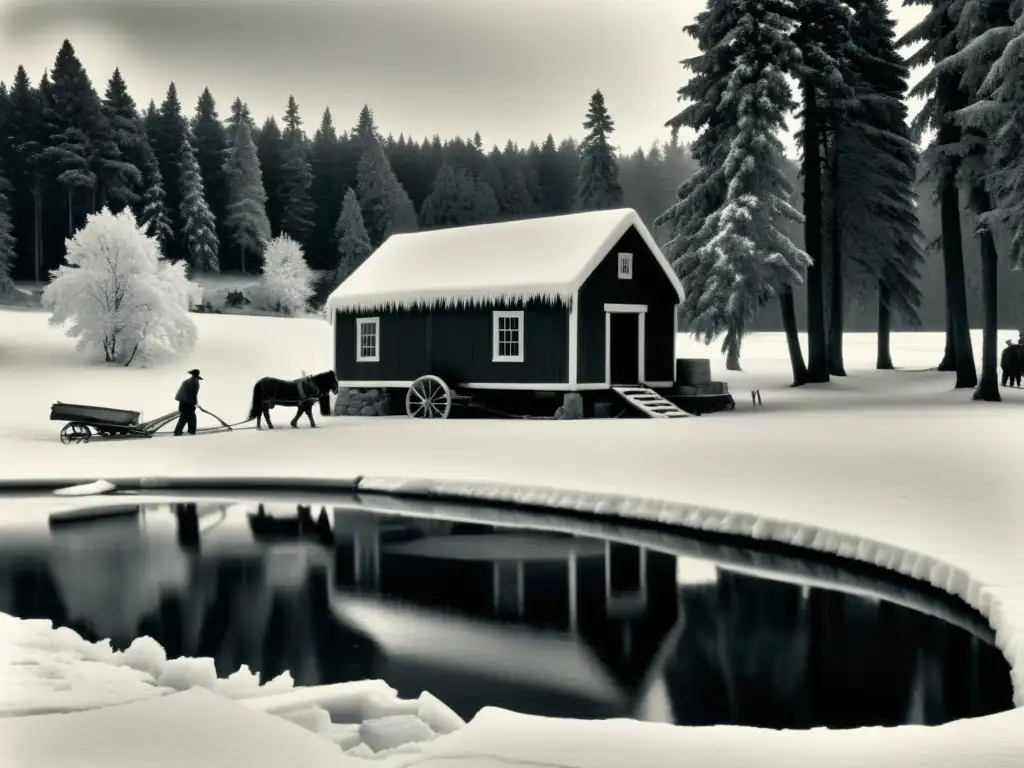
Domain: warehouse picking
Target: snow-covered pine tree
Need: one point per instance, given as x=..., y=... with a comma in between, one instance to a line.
x=151, y=120
x=353, y=242
x=943, y=97
x=118, y=296
x=505, y=177
x=270, y=149
x=240, y=113
x=26, y=132
x=870, y=196
x=127, y=134
x=457, y=199
x=326, y=187
x=998, y=109
x=744, y=257
x=714, y=122
x=5, y=119
x=209, y=143
x=495, y=179
x=822, y=35
x=67, y=101
x=598, y=185
x=8, y=252
x=247, y=221
x=386, y=206
x=166, y=142
x=152, y=211
x=549, y=177
x=198, y=227
x=728, y=275
x=980, y=38
x=366, y=129
x=485, y=201
x=296, y=178
x=287, y=278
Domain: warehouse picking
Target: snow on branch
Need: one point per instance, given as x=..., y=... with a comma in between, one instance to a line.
x=287, y=278
x=118, y=296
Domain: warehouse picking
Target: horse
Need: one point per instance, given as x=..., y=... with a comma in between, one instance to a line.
x=301, y=393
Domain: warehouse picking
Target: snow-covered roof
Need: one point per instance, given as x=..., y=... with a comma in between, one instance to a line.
x=544, y=259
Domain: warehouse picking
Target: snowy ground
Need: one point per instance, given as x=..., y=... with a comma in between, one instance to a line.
x=892, y=467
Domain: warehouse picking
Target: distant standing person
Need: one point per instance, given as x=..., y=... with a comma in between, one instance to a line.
x=1018, y=368
x=1010, y=363
x=188, y=400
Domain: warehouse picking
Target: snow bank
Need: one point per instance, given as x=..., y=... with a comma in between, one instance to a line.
x=880, y=446
x=508, y=738
x=191, y=728
x=46, y=671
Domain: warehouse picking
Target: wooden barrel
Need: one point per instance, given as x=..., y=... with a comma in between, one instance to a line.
x=693, y=371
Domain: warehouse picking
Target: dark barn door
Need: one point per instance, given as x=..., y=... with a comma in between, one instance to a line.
x=625, y=348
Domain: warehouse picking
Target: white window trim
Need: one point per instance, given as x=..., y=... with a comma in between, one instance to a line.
x=640, y=310
x=628, y=274
x=495, y=317
x=375, y=322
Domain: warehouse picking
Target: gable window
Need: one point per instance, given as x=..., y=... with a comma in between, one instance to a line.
x=508, y=337
x=625, y=266
x=368, y=340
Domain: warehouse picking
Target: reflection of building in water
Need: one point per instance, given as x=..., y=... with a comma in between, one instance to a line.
x=541, y=622
x=592, y=606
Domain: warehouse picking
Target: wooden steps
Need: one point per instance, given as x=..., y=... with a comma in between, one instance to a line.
x=649, y=403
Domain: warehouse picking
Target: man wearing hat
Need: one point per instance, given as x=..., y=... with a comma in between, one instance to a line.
x=188, y=400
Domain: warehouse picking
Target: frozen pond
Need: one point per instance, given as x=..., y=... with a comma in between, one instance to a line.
x=601, y=623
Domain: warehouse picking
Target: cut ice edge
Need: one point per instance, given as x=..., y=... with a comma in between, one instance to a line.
x=1004, y=614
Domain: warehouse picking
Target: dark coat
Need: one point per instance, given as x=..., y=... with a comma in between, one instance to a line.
x=188, y=392
x=1009, y=358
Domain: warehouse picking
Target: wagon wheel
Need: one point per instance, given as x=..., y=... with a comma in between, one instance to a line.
x=428, y=398
x=75, y=432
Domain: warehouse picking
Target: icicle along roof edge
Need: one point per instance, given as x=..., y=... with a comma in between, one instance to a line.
x=424, y=301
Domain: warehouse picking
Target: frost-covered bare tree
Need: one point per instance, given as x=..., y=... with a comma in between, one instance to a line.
x=117, y=295
x=287, y=278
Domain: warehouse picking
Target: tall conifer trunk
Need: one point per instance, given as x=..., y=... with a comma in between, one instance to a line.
x=836, y=366
x=817, y=349
x=883, y=361
x=796, y=356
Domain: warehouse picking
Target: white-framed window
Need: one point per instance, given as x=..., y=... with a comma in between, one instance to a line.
x=368, y=340
x=625, y=262
x=508, y=337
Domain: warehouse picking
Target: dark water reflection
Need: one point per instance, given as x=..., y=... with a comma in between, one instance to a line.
x=541, y=622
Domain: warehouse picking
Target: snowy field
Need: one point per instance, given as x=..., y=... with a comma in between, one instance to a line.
x=893, y=467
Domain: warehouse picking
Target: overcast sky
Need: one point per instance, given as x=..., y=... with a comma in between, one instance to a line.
x=514, y=69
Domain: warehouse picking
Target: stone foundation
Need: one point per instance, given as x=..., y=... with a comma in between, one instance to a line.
x=571, y=407
x=356, y=401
